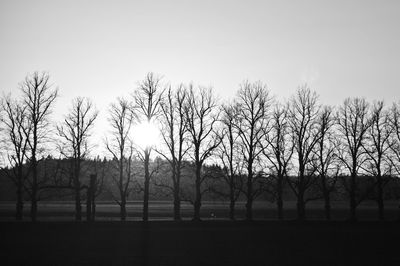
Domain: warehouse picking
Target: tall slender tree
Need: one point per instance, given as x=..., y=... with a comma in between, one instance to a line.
x=174, y=135
x=377, y=147
x=278, y=151
x=38, y=96
x=354, y=121
x=120, y=146
x=252, y=118
x=201, y=118
x=75, y=132
x=17, y=127
x=228, y=153
x=326, y=161
x=395, y=138
x=147, y=98
x=303, y=112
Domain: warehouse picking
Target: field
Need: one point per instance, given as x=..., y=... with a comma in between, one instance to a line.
x=163, y=210
x=57, y=240
x=202, y=243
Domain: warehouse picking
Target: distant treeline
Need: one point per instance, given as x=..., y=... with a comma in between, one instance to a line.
x=253, y=147
x=54, y=172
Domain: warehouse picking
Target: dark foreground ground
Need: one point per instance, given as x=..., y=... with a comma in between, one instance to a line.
x=202, y=243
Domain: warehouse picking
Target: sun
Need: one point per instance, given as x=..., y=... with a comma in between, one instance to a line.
x=146, y=135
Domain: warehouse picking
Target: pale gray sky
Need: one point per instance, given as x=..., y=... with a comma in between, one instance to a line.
x=100, y=49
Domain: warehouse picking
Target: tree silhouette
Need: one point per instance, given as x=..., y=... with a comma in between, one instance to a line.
x=17, y=128
x=377, y=147
x=75, y=132
x=254, y=101
x=325, y=161
x=174, y=134
x=395, y=137
x=279, y=150
x=120, y=146
x=201, y=121
x=147, y=99
x=38, y=97
x=229, y=154
x=354, y=121
x=303, y=112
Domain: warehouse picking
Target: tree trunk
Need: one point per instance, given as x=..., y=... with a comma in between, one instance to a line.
x=146, y=186
x=249, y=209
x=353, y=198
x=123, y=209
x=301, y=210
x=197, y=206
x=78, y=206
x=33, y=207
x=34, y=191
x=93, y=180
x=177, y=203
x=77, y=186
x=279, y=201
x=122, y=193
x=197, y=202
x=380, y=199
x=249, y=194
x=89, y=205
x=327, y=206
x=327, y=199
x=232, y=202
x=20, y=203
x=93, y=210
x=232, y=210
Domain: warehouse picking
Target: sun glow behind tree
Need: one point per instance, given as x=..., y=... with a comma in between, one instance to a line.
x=146, y=135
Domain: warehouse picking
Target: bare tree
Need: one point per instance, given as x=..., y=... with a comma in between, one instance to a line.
x=147, y=99
x=75, y=132
x=326, y=162
x=228, y=153
x=201, y=121
x=120, y=146
x=252, y=119
x=303, y=112
x=354, y=121
x=395, y=141
x=17, y=128
x=174, y=134
x=278, y=151
x=395, y=138
x=38, y=97
x=377, y=148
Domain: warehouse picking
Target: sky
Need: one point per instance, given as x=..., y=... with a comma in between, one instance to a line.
x=101, y=49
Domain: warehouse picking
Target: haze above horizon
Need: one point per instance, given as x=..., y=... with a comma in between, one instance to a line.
x=101, y=49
